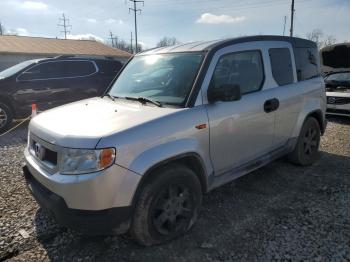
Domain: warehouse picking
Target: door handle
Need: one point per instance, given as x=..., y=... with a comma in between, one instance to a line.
x=271, y=105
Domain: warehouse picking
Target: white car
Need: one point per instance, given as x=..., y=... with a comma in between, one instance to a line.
x=338, y=93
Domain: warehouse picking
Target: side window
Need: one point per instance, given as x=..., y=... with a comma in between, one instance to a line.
x=281, y=63
x=58, y=69
x=41, y=71
x=78, y=68
x=242, y=68
x=109, y=67
x=307, y=63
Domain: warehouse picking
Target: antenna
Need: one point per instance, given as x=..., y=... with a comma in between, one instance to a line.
x=65, y=25
x=135, y=10
x=284, y=25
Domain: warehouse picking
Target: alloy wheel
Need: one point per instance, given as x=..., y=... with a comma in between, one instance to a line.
x=310, y=142
x=173, y=210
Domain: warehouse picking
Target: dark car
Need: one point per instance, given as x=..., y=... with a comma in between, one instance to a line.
x=51, y=82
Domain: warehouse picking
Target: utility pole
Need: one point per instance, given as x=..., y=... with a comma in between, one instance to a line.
x=135, y=10
x=292, y=19
x=284, y=25
x=131, y=48
x=111, y=37
x=65, y=26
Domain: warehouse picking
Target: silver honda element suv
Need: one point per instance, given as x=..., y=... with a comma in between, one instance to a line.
x=176, y=122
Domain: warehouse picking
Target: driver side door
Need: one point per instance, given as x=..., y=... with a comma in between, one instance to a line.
x=240, y=131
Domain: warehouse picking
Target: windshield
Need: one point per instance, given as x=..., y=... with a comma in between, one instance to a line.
x=16, y=68
x=339, y=77
x=166, y=78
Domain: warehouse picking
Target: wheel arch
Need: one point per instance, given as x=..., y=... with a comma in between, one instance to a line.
x=191, y=160
x=318, y=115
x=6, y=100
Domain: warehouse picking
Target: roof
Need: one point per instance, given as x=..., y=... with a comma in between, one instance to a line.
x=51, y=46
x=214, y=44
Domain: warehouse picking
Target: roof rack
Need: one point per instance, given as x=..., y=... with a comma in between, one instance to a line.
x=86, y=56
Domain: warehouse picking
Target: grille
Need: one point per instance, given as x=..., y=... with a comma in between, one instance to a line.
x=334, y=100
x=43, y=154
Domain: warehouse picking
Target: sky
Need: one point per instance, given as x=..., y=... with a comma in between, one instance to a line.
x=187, y=20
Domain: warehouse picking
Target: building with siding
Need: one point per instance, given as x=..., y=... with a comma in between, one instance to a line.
x=16, y=49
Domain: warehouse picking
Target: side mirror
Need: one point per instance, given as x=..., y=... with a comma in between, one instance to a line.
x=224, y=93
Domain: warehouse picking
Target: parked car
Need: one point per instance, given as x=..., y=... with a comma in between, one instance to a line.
x=177, y=122
x=338, y=93
x=52, y=82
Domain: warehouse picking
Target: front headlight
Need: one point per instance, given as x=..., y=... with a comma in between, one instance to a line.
x=81, y=161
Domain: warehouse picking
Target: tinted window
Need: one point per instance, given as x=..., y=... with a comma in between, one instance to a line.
x=109, y=67
x=244, y=69
x=16, y=68
x=281, y=63
x=59, y=69
x=307, y=63
x=339, y=77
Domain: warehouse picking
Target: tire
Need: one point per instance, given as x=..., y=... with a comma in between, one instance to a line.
x=306, y=151
x=167, y=206
x=6, y=117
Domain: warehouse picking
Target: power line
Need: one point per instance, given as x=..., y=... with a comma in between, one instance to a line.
x=292, y=10
x=65, y=25
x=135, y=10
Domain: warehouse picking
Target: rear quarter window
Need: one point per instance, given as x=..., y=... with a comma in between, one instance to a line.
x=109, y=67
x=307, y=63
x=281, y=65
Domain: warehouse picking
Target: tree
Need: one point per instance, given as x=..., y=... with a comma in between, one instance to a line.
x=167, y=41
x=123, y=45
x=321, y=40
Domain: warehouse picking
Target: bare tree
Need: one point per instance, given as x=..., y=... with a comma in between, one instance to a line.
x=316, y=35
x=329, y=40
x=123, y=45
x=167, y=41
x=321, y=40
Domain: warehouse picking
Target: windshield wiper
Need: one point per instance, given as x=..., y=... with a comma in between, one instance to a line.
x=110, y=96
x=144, y=100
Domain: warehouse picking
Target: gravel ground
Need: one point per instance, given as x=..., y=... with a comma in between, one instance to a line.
x=280, y=212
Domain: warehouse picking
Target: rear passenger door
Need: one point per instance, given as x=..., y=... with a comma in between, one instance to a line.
x=54, y=83
x=286, y=90
x=240, y=131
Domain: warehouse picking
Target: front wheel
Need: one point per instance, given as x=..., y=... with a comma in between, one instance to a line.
x=306, y=151
x=167, y=206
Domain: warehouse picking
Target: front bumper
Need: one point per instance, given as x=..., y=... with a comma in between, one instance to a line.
x=109, y=188
x=102, y=222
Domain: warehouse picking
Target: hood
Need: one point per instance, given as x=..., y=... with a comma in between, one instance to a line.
x=82, y=124
x=335, y=58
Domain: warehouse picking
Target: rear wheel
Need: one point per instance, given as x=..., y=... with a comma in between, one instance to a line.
x=167, y=206
x=306, y=150
x=6, y=117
